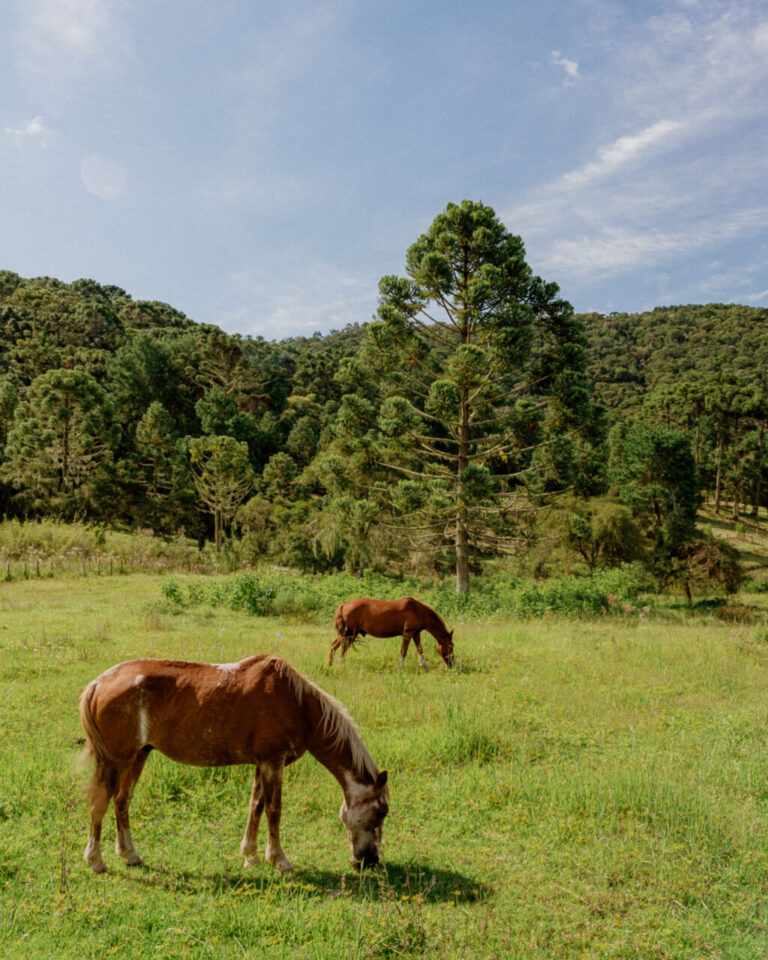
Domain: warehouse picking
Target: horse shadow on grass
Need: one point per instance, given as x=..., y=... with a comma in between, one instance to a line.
x=408, y=880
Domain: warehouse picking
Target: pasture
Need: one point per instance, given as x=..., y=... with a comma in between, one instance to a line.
x=572, y=788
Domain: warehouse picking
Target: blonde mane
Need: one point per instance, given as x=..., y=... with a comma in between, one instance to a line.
x=337, y=723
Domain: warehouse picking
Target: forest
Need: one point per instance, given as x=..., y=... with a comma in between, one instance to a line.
x=475, y=421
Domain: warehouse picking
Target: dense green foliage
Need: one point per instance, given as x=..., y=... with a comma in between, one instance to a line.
x=337, y=452
x=281, y=593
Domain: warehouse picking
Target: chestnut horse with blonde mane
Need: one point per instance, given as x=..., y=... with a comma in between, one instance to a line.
x=259, y=711
x=405, y=617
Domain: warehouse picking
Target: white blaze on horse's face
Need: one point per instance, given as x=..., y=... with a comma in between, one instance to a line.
x=363, y=816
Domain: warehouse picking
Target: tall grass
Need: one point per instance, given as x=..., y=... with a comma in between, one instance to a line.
x=48, y=545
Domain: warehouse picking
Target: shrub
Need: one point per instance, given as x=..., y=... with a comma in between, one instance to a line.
x=282, y=593
x=735, y=614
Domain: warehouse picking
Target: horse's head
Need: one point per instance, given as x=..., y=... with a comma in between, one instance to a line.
x=363, y=816
x=445, y=648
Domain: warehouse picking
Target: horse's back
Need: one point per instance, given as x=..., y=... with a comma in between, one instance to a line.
x=205, y=714
x=381, y=618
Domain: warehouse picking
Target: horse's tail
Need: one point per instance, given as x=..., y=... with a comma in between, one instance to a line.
x=94, y=742
x=338, y=621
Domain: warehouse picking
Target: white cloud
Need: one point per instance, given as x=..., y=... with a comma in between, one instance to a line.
x=33, y=130
x=571, y=67
x=692, y=88
x=61, y=37
x=322, y=298
x=612, y=248
x=623, y=151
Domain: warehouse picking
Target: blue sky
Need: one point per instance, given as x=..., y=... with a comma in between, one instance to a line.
x=261, y=165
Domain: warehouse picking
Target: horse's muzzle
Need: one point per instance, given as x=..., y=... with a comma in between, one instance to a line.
x=369, y=858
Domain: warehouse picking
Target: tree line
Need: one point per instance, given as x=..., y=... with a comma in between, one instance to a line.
x=474, y=415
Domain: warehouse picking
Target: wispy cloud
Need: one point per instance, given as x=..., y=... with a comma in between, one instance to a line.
x=663, y=189
x=614, y=248
x=59, y=38
x=571, y=67
x=31, y=131
x=626, y=149
x=322, y=298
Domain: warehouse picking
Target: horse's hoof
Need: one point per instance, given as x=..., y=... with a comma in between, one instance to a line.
x=97, y=866
x=251, y=861
x=131, y=857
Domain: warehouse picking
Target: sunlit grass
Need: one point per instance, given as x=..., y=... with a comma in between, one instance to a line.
x=590, y=788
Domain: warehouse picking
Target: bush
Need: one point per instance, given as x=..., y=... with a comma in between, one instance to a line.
x=735, y=614
x=284, y=593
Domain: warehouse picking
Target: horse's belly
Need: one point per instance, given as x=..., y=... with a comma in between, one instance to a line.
x=208, y=745
x=204, y=753
x=381, y=630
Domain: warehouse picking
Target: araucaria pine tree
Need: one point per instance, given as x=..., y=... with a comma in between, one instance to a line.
x=485, y=373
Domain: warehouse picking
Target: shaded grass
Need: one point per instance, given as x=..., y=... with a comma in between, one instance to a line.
x=571, y=789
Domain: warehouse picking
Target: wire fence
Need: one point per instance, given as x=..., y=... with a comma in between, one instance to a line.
x=40, y=568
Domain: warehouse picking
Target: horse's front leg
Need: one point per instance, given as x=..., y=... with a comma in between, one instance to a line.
x=123, y=841
x=248, y=847
x=417, y=644
x=272, y=787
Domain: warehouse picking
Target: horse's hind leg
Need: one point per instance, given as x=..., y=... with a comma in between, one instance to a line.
x=103, y=786
x=404, y=647
x=248, y=848
x=338, y=642
x=272, y=786
x=123, y=841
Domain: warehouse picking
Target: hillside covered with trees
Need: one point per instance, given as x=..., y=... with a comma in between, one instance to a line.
x=475, y=417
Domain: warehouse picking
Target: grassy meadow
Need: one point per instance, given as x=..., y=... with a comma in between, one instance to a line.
x=575, y=787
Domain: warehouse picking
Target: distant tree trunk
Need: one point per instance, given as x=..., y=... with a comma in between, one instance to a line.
x=687, y=588
x=718, y=473
x=462, y=539
x=217, y=524
x=757, y=492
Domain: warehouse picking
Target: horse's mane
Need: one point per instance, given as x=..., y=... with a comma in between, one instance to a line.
x=435, y=614
x=336, y=721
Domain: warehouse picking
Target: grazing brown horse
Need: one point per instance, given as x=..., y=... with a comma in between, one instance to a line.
x=405, y=617
x=258, y=711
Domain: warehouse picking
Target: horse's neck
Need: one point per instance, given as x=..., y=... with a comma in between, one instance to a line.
x=337, y=754
x=434, y=624
x=337, y=758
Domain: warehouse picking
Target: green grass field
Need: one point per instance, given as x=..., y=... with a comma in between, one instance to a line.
x=573, y=788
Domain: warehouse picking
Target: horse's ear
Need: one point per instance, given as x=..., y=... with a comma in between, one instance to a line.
x=381, y=780
x=450, y=634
